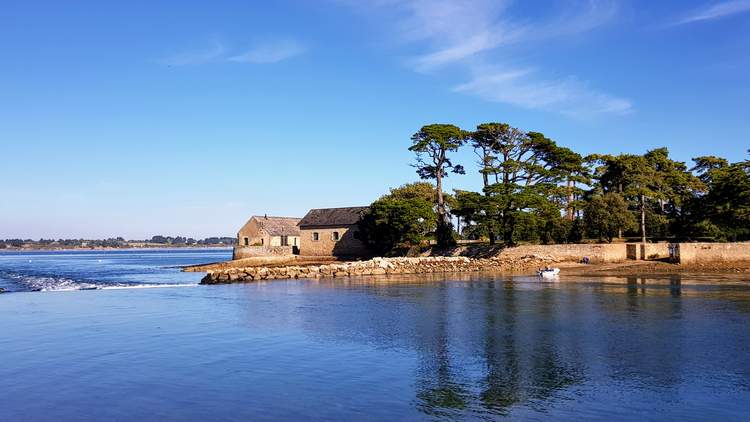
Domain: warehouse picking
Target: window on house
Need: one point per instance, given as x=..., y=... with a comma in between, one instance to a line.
x=247, y=241
x=315, y=236
x=335, y=236
x=284, y=240
x=262, y=241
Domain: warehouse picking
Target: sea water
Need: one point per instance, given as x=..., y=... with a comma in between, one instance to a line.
x=476, y=347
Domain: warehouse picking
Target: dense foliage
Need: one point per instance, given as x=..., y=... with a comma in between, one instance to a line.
x=401, y=219
x=605, y=216
x=534, y=190
x=723, y=212
x=527, y=178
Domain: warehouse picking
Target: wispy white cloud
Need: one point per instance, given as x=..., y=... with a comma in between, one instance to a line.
x=459, y=30
x=523, y=88
x=205, y=55
x=454, y=30
x=472, y=34
x=270, y=52
x=715, y=11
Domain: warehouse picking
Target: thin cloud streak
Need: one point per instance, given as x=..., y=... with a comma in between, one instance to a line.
x=523, y=89
x=716, y=11
x=271, y=52
x=458, y=30
x=469, y=35
x=211, y=54
x=262, y=53
x=455, y=30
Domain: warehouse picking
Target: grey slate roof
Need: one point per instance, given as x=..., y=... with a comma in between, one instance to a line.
x=278, y=226
x=332, y=217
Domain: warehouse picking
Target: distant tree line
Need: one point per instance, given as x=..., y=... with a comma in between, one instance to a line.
x=116, y=242
x=534, y=190
x=180, y=240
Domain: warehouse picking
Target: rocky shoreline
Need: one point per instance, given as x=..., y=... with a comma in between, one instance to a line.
x=377, y=266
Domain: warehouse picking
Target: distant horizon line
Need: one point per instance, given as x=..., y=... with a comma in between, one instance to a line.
x=120, y=238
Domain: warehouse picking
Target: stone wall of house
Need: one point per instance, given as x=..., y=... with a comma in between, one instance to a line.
x=241, y=251
x=291, y=241
x=347, y=245
x=696, y=253
x=255, y=236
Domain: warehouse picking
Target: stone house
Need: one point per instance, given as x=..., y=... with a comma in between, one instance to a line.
x=332, y=232
x=264, y=235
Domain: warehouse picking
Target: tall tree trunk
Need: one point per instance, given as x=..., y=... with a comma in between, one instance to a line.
x=508, y=230
x=643, y=218
x=508, y=227
x=619, y=231
x=485, y=174
x=569, y=209
x=442, y=224
x=486, y=181
x=440, y=199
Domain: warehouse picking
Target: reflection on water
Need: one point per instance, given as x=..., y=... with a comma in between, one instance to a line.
x=398, y=348
x=489, y=345
x=512, y=367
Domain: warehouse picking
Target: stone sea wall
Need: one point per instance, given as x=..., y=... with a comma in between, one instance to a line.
x=528, y=257
x=693, y=253
x=648, y=251
x=377, y=266
x=597, y=253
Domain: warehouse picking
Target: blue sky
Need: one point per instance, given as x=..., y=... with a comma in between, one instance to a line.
x=138, y=118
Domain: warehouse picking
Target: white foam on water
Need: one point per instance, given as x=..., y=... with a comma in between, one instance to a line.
x=85, y=286
x=42, y=283
x=147, y=286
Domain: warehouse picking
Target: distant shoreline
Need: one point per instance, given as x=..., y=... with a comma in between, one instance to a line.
x=129, y=248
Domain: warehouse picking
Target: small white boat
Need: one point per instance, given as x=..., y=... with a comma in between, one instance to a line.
x=549, y=273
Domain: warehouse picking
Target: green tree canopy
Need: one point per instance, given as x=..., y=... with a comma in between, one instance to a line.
x=605, y=215
x=403, y=218
x=432, y=144
x=723, y=211
x=652, y=184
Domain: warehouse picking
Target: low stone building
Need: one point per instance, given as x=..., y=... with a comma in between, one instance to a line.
x=332, y=232
x=264, y=235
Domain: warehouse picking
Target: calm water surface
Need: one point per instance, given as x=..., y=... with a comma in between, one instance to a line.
x=477, y=347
